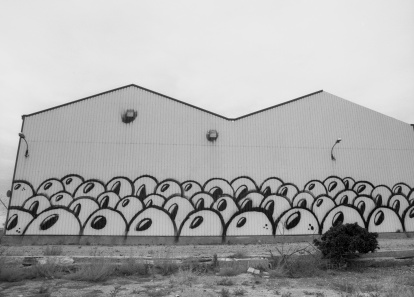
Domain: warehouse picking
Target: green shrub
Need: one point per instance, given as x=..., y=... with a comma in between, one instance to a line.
x=53, y=251
x=344, y=241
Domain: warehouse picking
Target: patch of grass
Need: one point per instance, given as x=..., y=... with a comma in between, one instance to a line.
x=96, y=271
x=157, y=293
x=16, y=274
x=53, y=251
x=132, y=267
x=184, y=277
x=166, y=266
x=224, y=293
x=225, y=282
x=239, y=255
x=287, y=294
x=229, y=271
x=239, y=292
x=345, y=287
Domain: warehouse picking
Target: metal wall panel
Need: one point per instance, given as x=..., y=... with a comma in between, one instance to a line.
x=167, y=140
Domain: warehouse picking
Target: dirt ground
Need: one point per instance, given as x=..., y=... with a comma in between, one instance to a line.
x=370, y=282
x=182, y=251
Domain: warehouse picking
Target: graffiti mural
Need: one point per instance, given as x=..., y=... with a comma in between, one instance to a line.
x=148, y=207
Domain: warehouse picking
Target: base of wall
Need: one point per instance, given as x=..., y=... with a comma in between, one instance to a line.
x=167, y=240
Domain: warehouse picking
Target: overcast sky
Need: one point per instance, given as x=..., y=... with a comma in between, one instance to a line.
x=229, y=57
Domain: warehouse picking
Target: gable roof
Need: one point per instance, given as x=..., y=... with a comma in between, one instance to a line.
x=176, y=100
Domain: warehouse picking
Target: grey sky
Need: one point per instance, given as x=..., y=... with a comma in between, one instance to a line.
x=230, y=57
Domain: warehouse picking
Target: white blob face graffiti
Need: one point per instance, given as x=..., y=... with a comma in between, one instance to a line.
x=50, y=187
x=381, y=195
x=365, y=205
x=36, y=204
x=21, y=192
x=202, y=201
x=241, y=186
x=333, y=186
x=61, y=199
x=169, y=188
x=90, y=188
x=17, y=221
x=303, y=200
x=342, y=214
x=217, y=187
x=190, y=188
x=288, y=191
x=270, y=186
x=384, y=220
x=409, y=220
x=346, y=197
x=202, y=223
x=105, y=222
x=226, y=207
x=275, y=206
x=297, y=221
x=178, y=208
x=71, y=183
x=154, y=200
x=249, y=201
x=108, y=200
x=401, y=189
x=152, y=221
x=249, y=223
x=129, y=206
x=56, y=221
x=120, y=186
x=399, y=204
x=316, y=188
x=82, y=208
x=321, y=206
x=144, y=186
x=363, y=188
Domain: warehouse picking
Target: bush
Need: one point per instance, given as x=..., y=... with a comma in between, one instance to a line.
x=53, y=251
x=344, y=241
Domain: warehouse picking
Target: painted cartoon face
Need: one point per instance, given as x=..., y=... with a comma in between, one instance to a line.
x=250, y=201
x=345, y=197
x=303, y=200
x=297, y=221
x=288, y=191
x=108, y=199
x=315, y=187
x=241, y=186
x=275, y=206
x=83, y=208
x=90, y=188
x=154, y=200
x=36, y=204
x=249, y=223
x=399, y=204
x=105, y=222
x=381, y=195
x=322, y=206
x=270, y=186
x=18, y=221
x=21, y=192
x=178, y=208
x=409, y=220
x=50, y=187
x=342, y=214
x=333, y=185
x=384, y=220
x=363, y=188
x=56, y=221
x=202, y=201
x=120, y=186
x=152, y=221
x=365, y=206
x=129, y=206
x=349, y=183
x=190, y=188
x=61, y=199
x=72, y=182
x=169, y=188
x=401, y=189
x=410, y=197
x=144, y=186
x=226, y=207
x=218, y=187
x=202, y=223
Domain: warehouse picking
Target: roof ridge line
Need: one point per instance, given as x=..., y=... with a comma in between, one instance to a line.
x=176, y=100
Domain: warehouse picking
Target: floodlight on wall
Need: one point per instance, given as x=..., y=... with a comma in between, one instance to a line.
x=212, y=135
x=21, y=135
x=129, y=116
x=336, y=142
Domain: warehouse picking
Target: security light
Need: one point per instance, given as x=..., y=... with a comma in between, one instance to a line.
x=21, y=135
x=336, y=142
x=212, y=135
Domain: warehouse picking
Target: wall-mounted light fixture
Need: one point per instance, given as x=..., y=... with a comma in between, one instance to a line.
x=212, y=135
x=129, y=116
x=21, y=135
x=336, y=142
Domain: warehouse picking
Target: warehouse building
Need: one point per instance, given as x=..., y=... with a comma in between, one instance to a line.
x=134, y=166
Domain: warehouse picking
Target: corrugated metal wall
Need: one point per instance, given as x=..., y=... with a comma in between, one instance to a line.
x=168, y=140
